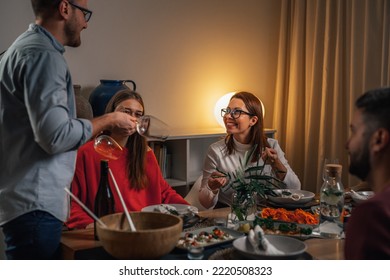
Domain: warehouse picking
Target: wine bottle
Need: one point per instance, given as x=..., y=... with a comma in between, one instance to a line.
x=104, y=200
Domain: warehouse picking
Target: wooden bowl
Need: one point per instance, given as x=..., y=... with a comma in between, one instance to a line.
x=157, y=234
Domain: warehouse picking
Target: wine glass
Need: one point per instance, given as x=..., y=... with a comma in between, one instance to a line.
x=326, y=162
x=152, y=128
x=108, y=147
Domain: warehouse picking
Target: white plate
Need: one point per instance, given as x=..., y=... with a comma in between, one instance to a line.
x=304, y=197
x=364, y=195
x=291, y=247
x=182, y=209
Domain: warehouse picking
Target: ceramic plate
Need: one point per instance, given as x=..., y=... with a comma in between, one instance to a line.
x=291, y=197
x=182, y=209
x=362, y=196
x=290, y=247
x=233, y=234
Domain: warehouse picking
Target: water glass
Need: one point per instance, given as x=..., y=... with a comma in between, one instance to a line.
x=220, y=222
x=195, y=252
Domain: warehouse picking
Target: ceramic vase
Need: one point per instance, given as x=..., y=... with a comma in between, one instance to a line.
x=102, y=94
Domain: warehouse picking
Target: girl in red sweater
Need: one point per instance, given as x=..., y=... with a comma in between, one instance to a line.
x=137, y=172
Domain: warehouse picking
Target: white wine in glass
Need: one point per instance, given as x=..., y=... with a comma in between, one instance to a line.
x=107, y=147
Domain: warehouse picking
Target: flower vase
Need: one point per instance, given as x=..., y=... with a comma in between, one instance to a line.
x=243, y=207
x=102, y=94
x=83, y=107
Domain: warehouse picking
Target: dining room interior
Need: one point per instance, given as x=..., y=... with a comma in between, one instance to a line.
x=307, y=61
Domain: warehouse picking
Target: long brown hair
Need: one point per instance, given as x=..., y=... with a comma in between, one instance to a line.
x=136, y=144
x=257, y=136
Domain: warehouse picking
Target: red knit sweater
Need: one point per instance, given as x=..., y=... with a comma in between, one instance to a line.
x=86, y=180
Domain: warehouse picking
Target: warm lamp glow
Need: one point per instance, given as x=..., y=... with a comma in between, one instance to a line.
x=223, y=102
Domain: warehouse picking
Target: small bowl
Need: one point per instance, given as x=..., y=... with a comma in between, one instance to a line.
x=362, y=196
x=157, y=234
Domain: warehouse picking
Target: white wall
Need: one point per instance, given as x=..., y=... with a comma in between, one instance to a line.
x=183, y=54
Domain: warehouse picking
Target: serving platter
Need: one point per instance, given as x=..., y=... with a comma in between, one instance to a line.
x=298, y=223
x=181, y=209
x=187, y=212
x=184, y=241
x=299, y=231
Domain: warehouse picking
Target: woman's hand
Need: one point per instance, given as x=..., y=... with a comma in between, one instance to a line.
x=216, y=181
x=270, y=156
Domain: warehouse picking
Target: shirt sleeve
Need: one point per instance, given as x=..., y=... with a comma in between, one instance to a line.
x=291, y=179
x=50, y=106
x=206, y=197
x=368, y=232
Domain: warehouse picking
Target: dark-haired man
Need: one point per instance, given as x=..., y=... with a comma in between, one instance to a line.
x=368, y=230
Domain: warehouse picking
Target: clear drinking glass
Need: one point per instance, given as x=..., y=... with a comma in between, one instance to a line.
x=195, y=252
x=152, y=128
x=108, y=147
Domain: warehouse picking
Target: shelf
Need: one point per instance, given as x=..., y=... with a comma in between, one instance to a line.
x=186, y=151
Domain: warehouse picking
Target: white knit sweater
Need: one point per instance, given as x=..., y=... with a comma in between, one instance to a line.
x=217, y=157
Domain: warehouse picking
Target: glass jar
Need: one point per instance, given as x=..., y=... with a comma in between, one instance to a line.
x=332, y=203
x=243, y=207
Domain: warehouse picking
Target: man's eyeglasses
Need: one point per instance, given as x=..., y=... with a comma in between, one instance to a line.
x=87, y=13
x=235, y=113
x=136, y=114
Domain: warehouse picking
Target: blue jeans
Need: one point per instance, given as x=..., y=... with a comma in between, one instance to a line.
x=33, y=236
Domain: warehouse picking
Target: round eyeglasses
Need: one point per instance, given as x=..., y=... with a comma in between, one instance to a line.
x=235, y=113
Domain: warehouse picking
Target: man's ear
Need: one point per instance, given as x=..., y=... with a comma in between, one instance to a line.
x=380, y=140
x=63, y=9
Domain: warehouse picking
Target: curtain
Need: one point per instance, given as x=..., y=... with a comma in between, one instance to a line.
x=330, y=52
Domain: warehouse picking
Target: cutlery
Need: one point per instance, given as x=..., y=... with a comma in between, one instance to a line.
x=132, y=227
x=85, y=208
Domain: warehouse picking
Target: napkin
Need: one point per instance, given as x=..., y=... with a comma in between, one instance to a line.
x=260, y=243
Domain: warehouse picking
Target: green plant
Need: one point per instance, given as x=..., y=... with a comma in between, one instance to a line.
x=249, y=181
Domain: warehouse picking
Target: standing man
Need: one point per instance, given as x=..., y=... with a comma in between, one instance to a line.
x=39, y=131
x=368, y=229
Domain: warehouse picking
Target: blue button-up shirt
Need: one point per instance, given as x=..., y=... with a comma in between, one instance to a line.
x=39, y=131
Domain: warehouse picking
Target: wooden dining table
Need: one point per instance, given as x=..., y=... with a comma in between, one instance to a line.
x=80, y=244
